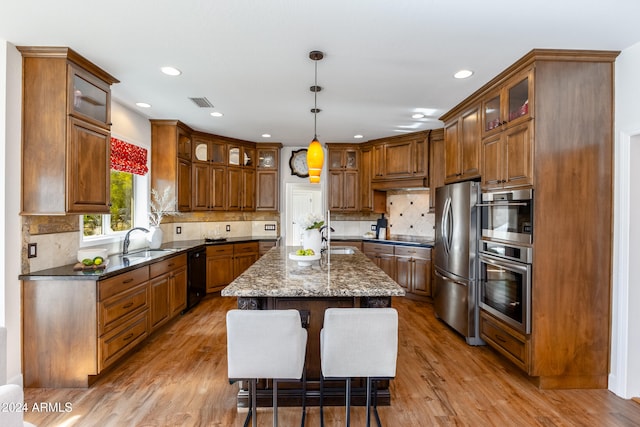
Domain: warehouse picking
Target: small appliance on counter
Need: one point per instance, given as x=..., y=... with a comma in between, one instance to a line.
x=381, y=227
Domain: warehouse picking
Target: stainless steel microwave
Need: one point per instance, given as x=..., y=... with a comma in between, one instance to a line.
x=508, y=216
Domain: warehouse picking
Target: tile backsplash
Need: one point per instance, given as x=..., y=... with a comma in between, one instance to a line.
x=409, y=213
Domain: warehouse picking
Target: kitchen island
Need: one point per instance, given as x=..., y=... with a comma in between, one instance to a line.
x=276, y=282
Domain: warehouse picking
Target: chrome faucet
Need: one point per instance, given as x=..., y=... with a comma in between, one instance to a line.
x=125, y=244
x=325, y=232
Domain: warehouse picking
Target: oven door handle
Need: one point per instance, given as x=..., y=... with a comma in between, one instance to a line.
x=501, y=262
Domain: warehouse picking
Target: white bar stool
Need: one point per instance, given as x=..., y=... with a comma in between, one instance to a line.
x=265, y=344
x=358, y=342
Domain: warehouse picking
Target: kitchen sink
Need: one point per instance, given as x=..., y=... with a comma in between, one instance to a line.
x=342, y=250
x=149, y=253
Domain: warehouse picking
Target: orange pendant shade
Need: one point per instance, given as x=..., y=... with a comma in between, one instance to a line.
x=315, y=159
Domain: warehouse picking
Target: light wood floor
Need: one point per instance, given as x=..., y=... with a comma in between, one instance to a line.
x=179, y=378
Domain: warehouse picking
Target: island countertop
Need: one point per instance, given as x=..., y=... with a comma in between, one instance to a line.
x=347, y=275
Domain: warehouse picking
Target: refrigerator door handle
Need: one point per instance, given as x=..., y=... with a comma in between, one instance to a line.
x=446, y=225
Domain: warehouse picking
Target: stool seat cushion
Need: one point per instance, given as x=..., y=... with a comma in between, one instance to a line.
x=359, y=342
x=265, y=344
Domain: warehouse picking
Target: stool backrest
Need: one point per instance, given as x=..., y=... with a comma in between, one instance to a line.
x=265, y=344
x=359, y=342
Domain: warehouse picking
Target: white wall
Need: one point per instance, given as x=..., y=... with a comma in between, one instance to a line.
x=624, y=379
x=11, y=234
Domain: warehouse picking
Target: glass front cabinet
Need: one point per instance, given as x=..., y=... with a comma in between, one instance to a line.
x=511, y=104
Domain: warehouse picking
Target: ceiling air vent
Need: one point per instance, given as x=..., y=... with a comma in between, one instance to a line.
x=202, y=102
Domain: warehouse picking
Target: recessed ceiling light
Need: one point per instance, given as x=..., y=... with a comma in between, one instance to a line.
x=266, y=135
x=358, y=136
x=417, y=116
x=463, y=74
x=171, y=71
x=216, y=114
x=143, y=105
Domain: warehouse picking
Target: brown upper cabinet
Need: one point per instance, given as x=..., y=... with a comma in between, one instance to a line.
x=507, y=143
x=507, y=158
x=241, y=176
x=401, y=161
x=462, y=145
x=436, y=166
x=241, y=155
x=168, y=168
x=267, y=177
x=208, y=149
x=208, y=173
x=343, y=177
x=509, y=104
x=66, y=111
x=370, y=200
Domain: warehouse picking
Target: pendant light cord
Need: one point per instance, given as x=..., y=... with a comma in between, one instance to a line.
x=315, y=102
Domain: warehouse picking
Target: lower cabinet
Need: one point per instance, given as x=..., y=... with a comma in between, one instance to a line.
x=123, y=312
x=409, y=266
x=413, y=269
x=244, y=255
x=168, y=289
x=219, y=267
x=265, y=246
x=382, y=256
x=226, y=262
x=506, y=340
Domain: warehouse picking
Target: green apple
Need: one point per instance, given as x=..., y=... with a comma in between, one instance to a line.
x=309, y=252
x=300, y=252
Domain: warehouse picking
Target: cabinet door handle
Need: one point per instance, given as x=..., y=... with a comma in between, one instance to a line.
x=127, y=281
x=128, y=337
x=127, y=305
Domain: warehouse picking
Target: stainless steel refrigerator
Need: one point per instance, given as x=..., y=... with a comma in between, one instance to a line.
x=455, y=297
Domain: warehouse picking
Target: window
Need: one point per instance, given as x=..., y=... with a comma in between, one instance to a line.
x=122, y=208
x=128, y=194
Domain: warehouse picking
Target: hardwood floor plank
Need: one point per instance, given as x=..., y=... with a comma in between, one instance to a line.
x=179, y=378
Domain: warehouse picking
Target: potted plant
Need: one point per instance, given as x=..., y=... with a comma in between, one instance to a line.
x=161, y=205
x=311, y=237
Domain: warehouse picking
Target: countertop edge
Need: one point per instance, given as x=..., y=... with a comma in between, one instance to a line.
x=179, y=247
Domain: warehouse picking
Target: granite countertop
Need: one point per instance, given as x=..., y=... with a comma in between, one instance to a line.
x=393, y=240
x=275, y=275
x=136, y=258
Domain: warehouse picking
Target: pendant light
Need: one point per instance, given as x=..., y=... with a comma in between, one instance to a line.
x=315, y=153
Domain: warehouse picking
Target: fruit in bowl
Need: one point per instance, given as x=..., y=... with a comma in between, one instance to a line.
x=305, y=252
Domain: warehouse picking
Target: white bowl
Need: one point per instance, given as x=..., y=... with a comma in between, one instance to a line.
x=92, y=253
x=304, y=260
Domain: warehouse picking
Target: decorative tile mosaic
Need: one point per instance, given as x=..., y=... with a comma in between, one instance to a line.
x=409, y=213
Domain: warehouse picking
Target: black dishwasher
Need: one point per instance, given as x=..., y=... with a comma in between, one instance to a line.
x=196, y=277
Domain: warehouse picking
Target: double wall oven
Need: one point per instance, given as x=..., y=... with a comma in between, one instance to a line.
x=506, y=256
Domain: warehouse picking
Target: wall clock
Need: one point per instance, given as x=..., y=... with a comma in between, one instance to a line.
x=298, y=163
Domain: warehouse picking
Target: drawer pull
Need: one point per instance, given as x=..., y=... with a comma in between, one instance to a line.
x=128, y=337
x=127, y=281
x=501, y=339
x=172, y=264
x=128, y=305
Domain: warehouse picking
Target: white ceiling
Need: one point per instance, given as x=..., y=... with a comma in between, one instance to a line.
x=384, y=59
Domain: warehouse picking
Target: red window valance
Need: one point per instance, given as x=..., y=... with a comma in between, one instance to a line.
x=126, y=157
